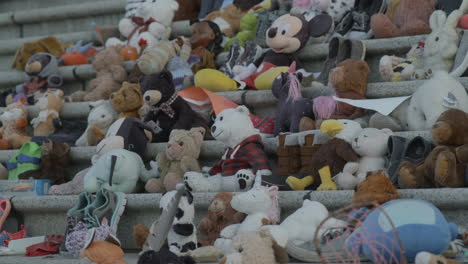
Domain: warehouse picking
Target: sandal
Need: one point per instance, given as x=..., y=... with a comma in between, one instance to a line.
x=5, y=208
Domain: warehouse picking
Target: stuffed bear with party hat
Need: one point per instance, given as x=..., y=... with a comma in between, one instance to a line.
x=48, y=120
x=243, y=160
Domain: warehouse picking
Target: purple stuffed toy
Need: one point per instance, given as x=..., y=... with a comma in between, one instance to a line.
x=292, y=107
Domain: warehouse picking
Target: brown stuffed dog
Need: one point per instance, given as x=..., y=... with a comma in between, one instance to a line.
x=110, y=74
x=377, y=187
x=181, y=156
x=446, y=164
x=128, y=100
x=48, y=120
x=26, y=50
x=408, y=18
x=220, y=215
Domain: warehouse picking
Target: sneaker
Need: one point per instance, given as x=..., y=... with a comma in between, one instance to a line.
x=251, y=54
x=331, y=62
x=235, y=53
x=77, y=213
x=396, y=146
x=107, y=205
x=353, y=49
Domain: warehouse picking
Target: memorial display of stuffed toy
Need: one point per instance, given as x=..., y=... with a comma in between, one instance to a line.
x=357, y=154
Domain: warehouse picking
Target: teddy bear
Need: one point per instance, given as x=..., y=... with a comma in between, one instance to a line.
x=42, y=70
x=206, y=40
x=151, y=23
x=48, y=120
x=371, y=145
x=376, y=187
x=110, y=74
x=100, y=118
x=287, y=35
x=446, y=164
x=45, y=45
x=118, y=170
x=243, y=160
x=330, y=158
x=442, y=92
x=220, y=215
x=395, y=69
x=411, y=17
x=163, y=109
x=14, y=126
x=181, y=156
x=348, y=80
x=228, y=19
x=256, y=248
x=128, y=100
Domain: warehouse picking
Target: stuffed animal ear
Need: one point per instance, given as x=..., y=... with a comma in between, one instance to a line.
x=453, y=19
x=243, y=109
x=320, y=25
x=437, y=19
x=198, y=133
x=363, y=66
x=165, y=74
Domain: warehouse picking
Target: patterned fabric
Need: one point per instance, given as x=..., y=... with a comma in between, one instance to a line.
x=76, y=240
x=249, y=154
x=166, y=107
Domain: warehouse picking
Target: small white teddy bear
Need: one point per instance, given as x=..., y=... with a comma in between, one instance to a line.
x=371, y=146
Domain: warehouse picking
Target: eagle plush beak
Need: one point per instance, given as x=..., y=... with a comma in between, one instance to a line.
x=331, y=127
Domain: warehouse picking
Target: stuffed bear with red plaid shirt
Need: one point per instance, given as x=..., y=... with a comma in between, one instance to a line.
x=244, y=160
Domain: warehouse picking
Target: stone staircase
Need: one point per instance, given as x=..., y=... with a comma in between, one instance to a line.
x=26, y=20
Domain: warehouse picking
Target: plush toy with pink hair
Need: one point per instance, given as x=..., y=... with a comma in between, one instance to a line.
x=291, y=107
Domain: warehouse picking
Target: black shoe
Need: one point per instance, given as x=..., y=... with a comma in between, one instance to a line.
x=333, y=49
x=396, y=148
x=252, y=52
x=416, y=151
x=235, y=53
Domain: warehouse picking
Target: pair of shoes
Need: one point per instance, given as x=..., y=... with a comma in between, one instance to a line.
x=356, y=23
x=400, y=150
x=242, y=56
x=339, y=50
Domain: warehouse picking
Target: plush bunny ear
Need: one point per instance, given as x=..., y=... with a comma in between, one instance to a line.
x=243, y=109
x=437, y=19
x=320, y=25
x=453, y=19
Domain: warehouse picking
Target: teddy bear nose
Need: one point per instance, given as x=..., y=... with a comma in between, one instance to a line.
x=213, y=129
x=272, y=32
x=147, y=98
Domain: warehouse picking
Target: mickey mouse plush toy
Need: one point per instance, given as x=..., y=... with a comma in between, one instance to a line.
x=287, y=35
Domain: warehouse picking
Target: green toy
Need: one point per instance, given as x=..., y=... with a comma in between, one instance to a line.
x=248, y=27
x=26, y=159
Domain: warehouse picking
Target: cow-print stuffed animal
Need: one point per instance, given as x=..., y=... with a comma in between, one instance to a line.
x=183, y=234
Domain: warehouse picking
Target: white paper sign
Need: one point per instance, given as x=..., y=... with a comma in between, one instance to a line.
x=385, y=106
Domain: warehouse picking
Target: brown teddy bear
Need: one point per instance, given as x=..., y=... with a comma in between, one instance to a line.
x=228, y=19
x=349, y=79
x=181, y=156
x=446, y=164
x=377, y=187
x=15, y=122
x=110, y=74
x=220, y=215
x=128, y=100
x=406, y=18
x=48, y=120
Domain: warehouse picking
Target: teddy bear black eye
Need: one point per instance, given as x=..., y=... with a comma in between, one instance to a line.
x=103, y=116
x=283, y=32
x=241, y=249
x=181, y=144
x=437, y=39
x=221, y=119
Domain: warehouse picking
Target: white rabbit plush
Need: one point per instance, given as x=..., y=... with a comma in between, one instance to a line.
x=151, y=23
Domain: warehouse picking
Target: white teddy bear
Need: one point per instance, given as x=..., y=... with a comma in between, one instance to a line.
x=371, y=145
x=243, y=160
x=102, y=116
x=151, y=24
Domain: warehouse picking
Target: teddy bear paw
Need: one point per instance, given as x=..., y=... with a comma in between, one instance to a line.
x=245, y=179
x=327, y=186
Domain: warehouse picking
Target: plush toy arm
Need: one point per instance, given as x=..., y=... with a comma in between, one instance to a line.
x=462, y=154
x=230, y=231
x=118, y=73
x=347, y=153
x=189, y=164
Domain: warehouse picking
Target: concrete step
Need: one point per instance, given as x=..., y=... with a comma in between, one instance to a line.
x=313, y=56
x=46, y=215
x=56, y=19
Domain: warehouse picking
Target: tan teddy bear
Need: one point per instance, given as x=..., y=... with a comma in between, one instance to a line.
x=15, y=122
x=181, y=156
x=110, y=74
x=50, y=104
x=128, y=100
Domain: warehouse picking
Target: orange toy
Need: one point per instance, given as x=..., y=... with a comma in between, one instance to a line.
x=78, y=54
